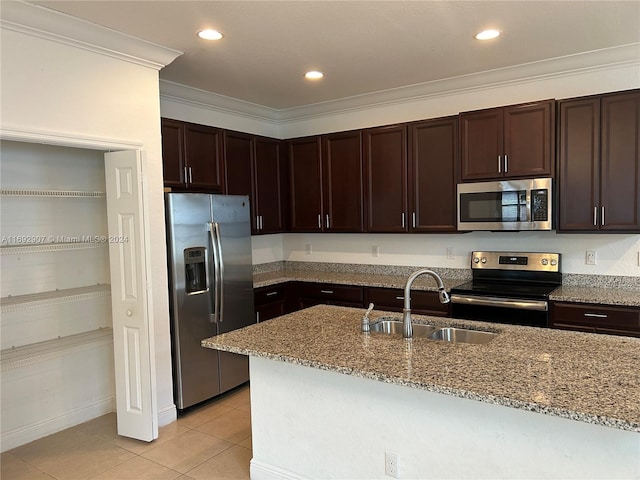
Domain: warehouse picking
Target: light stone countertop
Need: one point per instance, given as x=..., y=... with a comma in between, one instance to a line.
x=586, y=377
x=358, y=279
x=606, y=294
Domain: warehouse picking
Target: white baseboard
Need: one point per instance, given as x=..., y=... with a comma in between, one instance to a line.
x=263, y=471
x=29, y=433
x=167, y=415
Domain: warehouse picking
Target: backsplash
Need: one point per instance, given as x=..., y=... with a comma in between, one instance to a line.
x=568, y=279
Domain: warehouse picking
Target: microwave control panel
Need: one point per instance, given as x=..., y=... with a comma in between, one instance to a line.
x=540, y=205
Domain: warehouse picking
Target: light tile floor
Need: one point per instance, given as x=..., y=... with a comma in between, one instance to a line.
x=211, y=442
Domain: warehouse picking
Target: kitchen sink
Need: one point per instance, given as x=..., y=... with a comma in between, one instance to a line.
x=462, y=335
x=395, y=326
x=446, y=334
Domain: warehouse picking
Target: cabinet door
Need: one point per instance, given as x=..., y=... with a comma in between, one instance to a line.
x=268, y=184
x=481, y=135
x=343, y=182
x=305, y=184
x=385, y=156
x=578, y=169
x=529, y=140
x=173, y=166
x=238, y=158
x=203, y=157
x=620, y=162
x=433, y=159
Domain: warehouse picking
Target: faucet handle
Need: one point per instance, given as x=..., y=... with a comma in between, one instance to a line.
x=365, y=319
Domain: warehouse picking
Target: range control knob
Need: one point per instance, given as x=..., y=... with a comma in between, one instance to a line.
x=544, y=261
x=554, y=262
x=484, y=260
x=476, y=260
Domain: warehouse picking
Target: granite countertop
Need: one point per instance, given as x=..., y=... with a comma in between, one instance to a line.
x=579, y=376
x=605, y=291
x=360, y=279
x=603, y=296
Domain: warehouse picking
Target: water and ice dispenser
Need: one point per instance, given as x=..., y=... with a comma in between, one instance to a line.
x=195, y=271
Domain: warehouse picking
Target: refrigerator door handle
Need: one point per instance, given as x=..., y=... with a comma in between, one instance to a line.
x=220, y=273
x=213, y=318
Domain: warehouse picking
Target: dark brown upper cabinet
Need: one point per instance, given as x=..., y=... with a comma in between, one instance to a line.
x=253, y=168
x=270, y=178
x=192, y=156
x=599, y=163
x=343, y=182
x=386, y=175
x=508, y=142
x=326, y=183
x=305, y=184
x=433, y=161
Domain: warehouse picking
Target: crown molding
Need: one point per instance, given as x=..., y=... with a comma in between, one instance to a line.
x=196, y=97
x=58, y=27
x=604, y=59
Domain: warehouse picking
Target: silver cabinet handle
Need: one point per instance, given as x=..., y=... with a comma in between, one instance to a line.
x=602, y=216
x=330, y=292
x=595, y=216
x=403, y=220
x=186, y=175
x=327, y=217
x=414, y=220
x=190, y=175
x=399, y=298
x=499, y=163
x=257, y=317
x=319, y=221
x=261, y=222
x=506, y=163
x=596, y=315
x=271, y=294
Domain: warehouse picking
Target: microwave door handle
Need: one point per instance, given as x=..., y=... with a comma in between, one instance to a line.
x=216, y=284
x=220, y=272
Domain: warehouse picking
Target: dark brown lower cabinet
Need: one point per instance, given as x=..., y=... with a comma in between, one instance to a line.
x=310, y=294
x=270, y=302
x=392, y=299
x=592, y=318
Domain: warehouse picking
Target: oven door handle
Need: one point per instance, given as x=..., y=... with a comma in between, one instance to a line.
x=538, y=305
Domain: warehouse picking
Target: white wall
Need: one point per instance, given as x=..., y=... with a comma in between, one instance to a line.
x=66, y=93
x=616, y=254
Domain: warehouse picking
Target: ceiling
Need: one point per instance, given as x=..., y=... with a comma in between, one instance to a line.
x=361, y=46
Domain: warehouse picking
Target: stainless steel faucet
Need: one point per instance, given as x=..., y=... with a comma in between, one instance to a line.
x=407, y=329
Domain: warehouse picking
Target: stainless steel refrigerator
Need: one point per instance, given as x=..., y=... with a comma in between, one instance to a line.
x=211, y=290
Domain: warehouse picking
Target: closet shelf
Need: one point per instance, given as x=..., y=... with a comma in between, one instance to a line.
x=46, y=245
x=22, y=192
x=28, y=355
x=44, y=299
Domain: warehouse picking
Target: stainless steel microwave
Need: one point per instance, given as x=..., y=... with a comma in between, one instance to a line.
x=525, y=204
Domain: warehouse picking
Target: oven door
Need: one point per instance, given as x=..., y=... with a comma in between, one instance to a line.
x=512, y=311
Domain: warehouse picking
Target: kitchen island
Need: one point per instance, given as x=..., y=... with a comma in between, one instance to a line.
x=330, y=402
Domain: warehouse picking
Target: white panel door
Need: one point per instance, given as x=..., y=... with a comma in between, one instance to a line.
x=132, y=326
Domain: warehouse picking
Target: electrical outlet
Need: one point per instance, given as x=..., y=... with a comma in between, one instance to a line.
x=308, y=249
x=391, y=464
x=375, y=251
x=591, y=257
x=450, y=255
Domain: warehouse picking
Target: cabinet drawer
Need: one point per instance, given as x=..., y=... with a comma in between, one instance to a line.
x=264, y=295
x=602, y=319
x=327, y=291
x=422, y=302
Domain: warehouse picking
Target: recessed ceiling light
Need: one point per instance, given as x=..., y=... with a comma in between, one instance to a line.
x=314, y=75
x=487, y=34
x=210, y=34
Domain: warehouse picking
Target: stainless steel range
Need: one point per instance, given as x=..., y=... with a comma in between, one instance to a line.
x=508, y=287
